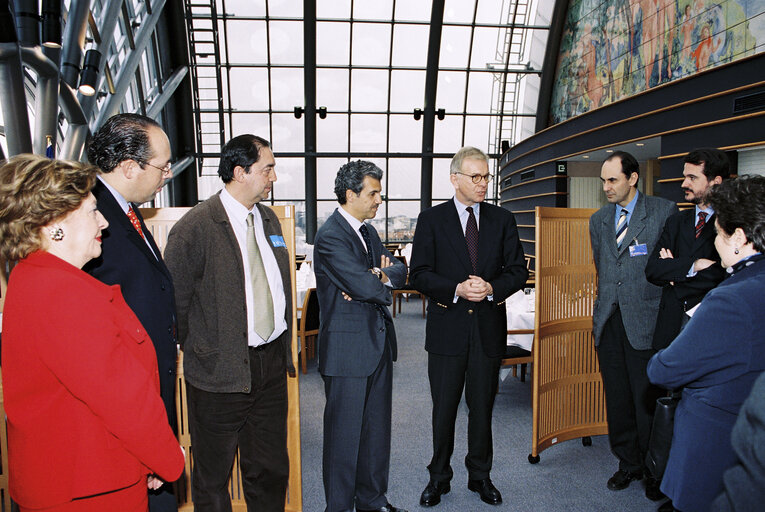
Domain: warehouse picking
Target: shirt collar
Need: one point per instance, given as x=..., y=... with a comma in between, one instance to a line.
x=708, y=210
x=461, y=207
x=234, y=208
x=353, y=221
x=120, y=200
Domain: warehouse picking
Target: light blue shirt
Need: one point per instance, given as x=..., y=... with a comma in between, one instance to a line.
x=630, y=208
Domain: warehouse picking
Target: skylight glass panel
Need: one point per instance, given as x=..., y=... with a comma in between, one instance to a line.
x=333, y=43
x=371, y=44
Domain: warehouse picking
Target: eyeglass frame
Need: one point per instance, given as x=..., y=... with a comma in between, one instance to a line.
x=167, y=169
x=485, y=177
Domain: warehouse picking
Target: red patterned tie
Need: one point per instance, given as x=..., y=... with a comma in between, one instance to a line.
x=700, y=224
x=471, y=238
x=134, y=220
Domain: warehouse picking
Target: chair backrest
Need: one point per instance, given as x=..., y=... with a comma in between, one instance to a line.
x=310, y=316
x=402, y=259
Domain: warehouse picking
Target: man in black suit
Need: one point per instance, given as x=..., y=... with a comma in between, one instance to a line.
x=133, y=154
x=467, y=259
x=684, y=262
x=357, y=344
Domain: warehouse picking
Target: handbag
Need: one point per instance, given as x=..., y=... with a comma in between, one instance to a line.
x=661, y=435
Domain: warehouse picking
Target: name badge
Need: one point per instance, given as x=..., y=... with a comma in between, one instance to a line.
x=277, y=241
x=638, y=250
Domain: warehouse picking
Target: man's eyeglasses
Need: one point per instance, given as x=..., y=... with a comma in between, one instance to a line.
x=164, y=170
x=476, y=178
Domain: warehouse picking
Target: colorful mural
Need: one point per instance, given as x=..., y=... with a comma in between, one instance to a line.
x=612, y=49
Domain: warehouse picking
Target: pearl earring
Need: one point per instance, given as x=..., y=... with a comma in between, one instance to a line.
x=735, y=251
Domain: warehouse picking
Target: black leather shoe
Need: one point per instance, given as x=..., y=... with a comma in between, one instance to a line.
x=432, y=494
x=489, y=494
x=386, y=508
x=652, y=491
x=621, y=479
x=667, y=507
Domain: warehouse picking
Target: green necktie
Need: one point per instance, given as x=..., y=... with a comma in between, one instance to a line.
x=263, y=304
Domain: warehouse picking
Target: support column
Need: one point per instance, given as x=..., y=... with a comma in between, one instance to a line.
x=429, y=111
x=309, y=75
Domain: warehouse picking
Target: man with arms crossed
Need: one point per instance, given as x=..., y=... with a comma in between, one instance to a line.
x=467, y=259
x=232, y=273
x=357, y=344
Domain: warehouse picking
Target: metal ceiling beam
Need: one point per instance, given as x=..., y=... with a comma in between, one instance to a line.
x=13, y=100
x=168, y=89
x=127, y=71
x=429, y=110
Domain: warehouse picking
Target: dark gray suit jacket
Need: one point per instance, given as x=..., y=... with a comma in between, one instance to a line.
x=204, y=258
x=621, y=278
x=352, y=334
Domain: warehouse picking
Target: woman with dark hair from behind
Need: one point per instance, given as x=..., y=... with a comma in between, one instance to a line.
x=87, y=430
x=719, y=354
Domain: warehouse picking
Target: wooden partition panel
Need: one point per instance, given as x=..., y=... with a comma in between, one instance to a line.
x=568, y=399
x=160, y=221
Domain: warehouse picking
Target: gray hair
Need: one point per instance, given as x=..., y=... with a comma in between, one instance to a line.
x=351, y=177
x=462, y=154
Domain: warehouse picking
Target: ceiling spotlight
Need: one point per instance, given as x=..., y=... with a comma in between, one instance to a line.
x=639, y=144
x=51, y=23
x=609, y=151
x=322, y=112
x=417, y=114
x=89, y=74
x=299, y=112
x=585, y=156
x=440, y=114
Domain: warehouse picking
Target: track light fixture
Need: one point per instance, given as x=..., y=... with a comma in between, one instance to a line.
x=417, y=114
x=89, y=74
x=51, y=23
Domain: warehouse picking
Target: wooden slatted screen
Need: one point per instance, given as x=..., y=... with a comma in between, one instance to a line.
x=568, y=400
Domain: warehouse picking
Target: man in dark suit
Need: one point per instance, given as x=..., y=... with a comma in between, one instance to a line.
x=231, y=269
x=133, y=154
x=357, y=344
x=467, y=259
x=684, y=262
x=623, y=233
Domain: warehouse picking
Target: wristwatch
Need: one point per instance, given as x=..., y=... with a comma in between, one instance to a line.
x=376, y=271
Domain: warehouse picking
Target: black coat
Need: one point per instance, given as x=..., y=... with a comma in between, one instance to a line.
x=146, y=286
x=679, y=236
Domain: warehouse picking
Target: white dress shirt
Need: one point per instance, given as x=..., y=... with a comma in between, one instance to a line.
x=237, y=215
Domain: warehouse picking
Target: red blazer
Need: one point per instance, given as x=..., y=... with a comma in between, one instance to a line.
x=81, y=388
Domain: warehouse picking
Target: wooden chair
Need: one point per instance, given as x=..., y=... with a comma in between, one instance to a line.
x=515, y=356
x=308, y=328
x=405, y=290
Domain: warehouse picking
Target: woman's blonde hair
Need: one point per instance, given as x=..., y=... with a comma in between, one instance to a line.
x=35, y=191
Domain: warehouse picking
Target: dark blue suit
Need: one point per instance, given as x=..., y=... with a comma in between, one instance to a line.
x=147, y=288
x=357, y=345
x=716, y=359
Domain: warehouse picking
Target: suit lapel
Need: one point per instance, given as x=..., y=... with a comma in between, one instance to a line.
x=118, y=220
x=610, y=230
x=356, y=241
x=158, y=261
x=486, y=243
x=456, y=237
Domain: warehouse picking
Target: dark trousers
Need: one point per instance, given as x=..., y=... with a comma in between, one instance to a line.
x=478, y=374
x=357, y=426
x=163, y=499
x=630, y=397
x=256, y=422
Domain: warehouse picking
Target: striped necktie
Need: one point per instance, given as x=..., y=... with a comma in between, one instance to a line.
x=701, y=223
x=621, y=228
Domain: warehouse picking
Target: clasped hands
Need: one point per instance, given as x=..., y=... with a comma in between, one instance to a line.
x=474, y=289
x=385, y=262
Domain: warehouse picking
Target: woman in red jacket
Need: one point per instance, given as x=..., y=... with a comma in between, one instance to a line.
x=86, y=426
